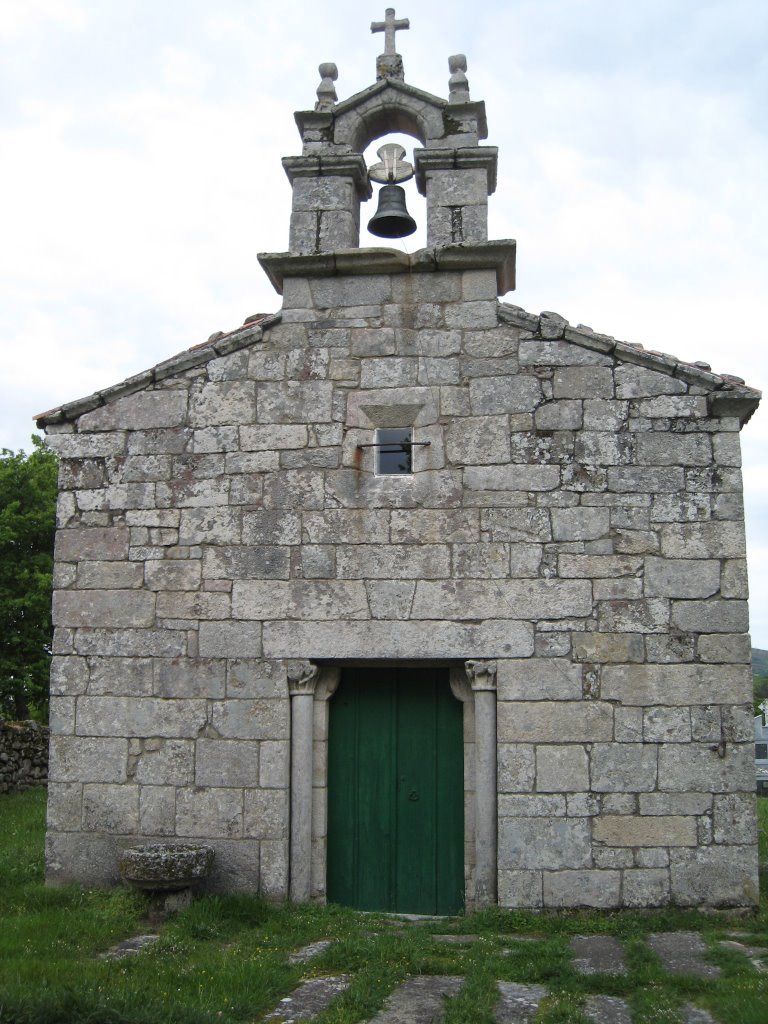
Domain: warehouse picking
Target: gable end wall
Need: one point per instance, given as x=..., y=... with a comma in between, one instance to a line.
x=576, y=519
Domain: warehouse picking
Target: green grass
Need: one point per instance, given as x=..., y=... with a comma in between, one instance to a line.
x=224, y=960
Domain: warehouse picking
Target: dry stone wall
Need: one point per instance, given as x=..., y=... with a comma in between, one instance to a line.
x=577, y=518
x=23, y=755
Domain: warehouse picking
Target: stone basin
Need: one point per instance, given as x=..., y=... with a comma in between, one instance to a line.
x=166, y=867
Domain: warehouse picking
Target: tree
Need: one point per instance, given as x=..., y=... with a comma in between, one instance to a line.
x=27, y=526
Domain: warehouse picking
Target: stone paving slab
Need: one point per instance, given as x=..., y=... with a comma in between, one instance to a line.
x=307, y=953
x=598, y=954
x=419, y=1000
x=309, y=999
x=683, y=953
x=518, y=1004
x=607, y=1010
x=753, y=953
x=456, y=940
x=129, y=947
x=693, y=1015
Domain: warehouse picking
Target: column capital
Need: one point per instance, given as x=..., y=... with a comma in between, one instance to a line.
x=302, y=677
x=481, y=674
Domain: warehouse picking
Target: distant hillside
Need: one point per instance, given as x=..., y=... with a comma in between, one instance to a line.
x=759, y=662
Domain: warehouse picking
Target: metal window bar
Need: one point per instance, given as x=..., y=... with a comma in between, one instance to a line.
x=396, y=446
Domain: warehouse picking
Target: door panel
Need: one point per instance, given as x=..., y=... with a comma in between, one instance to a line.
x=396, y=792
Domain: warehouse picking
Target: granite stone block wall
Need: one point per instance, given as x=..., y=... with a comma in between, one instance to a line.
x=576, y=518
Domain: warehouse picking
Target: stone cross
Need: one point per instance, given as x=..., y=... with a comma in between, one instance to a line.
x=389, y=26
x=763, y=705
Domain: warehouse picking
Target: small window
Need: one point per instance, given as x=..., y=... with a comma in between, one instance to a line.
x=394, y=452
x=761, y=751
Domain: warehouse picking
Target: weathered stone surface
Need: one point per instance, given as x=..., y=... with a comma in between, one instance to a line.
x=297, y=599
x=310, y=952
x=163, y=762
x=530, y=599
x=598, y=954
x=516, y=524
x=79, y=759
x=499, y=639
x=734, y=819
x=703, y=540
x=511, y=478
x=428, y=561
x=683, y=577
x=562, y=415
x=223, y=402
x=310, y=999
x=266, y=814
x=608, y=647
x=675, y=684
x=230, y=640
x=646, y=887
x=581, y=888
x=129, y=947
x=575, y=722
x=658, y=448
x=516, y=767
x=543, y=843
x=251, y=719
x=493, y=395
x=694, y=766
x=580, y=523
x=478, y=440
x=630, y=830
x=139, y=411
x=711, y=616
x=532, y=805
x=419, y=1000
x=111, y=808
x=209, y=813
x=562, y=768
x=92, y=543
x=225, y=763
x=623, y=767
x=139, y=716
x=520, y=888
x=607, y=1010
x=518, y=1004
x=695, y=1015
x=539, y=679
x=683, y=953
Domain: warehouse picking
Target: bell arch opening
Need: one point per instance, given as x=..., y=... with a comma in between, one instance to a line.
x=416, y=205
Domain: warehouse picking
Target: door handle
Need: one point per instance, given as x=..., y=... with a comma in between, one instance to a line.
x=413, y=796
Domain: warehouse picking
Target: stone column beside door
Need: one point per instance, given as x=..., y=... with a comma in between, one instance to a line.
x=302, y=680
x=482, y=679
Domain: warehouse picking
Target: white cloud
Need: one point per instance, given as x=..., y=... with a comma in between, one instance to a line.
x=20, y=18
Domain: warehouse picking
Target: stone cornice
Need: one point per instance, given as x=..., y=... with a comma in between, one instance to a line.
x=466, y=157
x=492, y=255
x=332, y=165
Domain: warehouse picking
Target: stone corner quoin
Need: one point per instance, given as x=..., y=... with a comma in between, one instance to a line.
x=569, y=547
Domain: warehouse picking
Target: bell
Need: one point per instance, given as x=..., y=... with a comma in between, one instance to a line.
x=392, y=220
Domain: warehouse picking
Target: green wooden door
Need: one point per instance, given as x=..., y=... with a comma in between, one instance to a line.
x=396, y=792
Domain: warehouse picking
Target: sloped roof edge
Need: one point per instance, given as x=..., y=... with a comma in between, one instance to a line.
x=219, y=344
x=728, y=394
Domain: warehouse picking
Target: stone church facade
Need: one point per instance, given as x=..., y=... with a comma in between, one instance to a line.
x=249, y=594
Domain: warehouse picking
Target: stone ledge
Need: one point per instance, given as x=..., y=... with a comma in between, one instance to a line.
x=498, y=255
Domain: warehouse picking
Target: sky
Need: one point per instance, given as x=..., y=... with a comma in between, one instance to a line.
x=140, y=174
